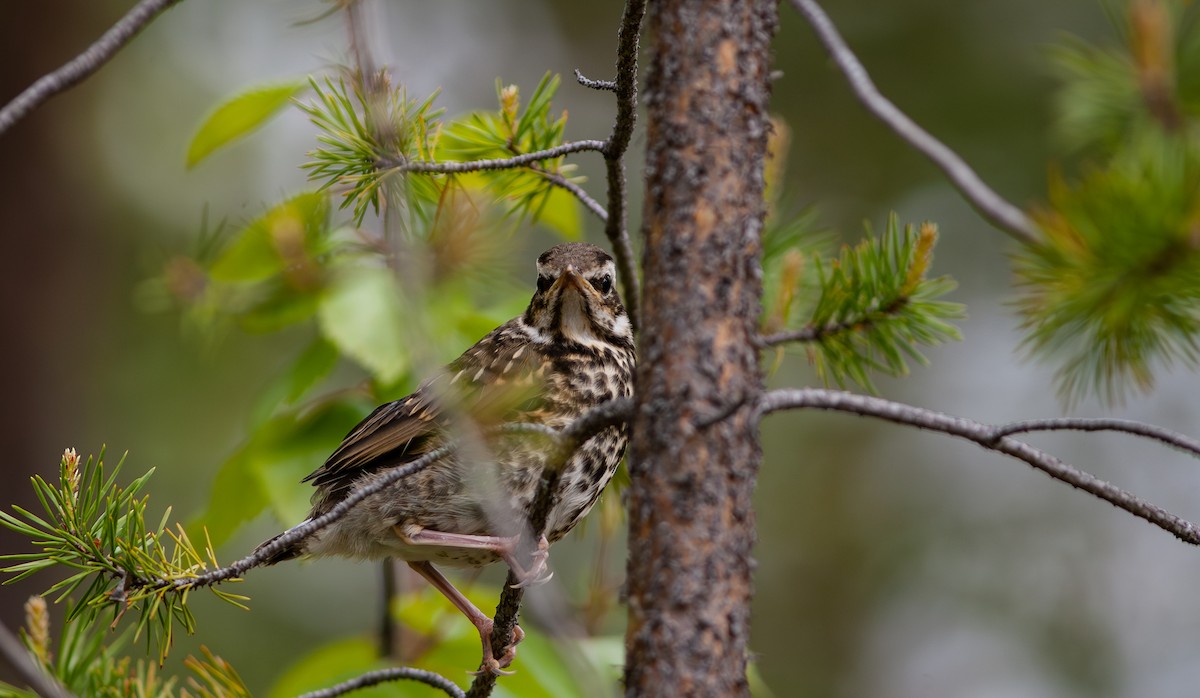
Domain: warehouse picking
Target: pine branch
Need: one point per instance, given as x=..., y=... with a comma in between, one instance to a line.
x=876, y=307
x=85, y=64
x=392, y=164
x=998, y=439
x=995, y=209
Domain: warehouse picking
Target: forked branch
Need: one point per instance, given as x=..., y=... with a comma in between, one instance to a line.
x=997, y=438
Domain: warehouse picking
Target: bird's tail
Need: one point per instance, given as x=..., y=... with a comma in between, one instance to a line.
x=276, y=552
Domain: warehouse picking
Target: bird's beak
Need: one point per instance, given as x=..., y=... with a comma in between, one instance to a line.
x=570, y=278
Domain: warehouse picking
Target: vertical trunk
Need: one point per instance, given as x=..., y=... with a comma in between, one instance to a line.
x=694, y=452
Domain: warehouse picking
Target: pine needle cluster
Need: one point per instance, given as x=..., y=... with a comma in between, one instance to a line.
x=97, y=527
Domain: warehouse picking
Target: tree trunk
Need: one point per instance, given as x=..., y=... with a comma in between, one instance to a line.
x=694, y=452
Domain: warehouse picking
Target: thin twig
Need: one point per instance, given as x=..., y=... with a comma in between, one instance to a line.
x=85, y=64
x=605, y=85
x=375, y=678
x=1150, y=431
x=584, y=198
x=603, y=416
x=616, y=228
x=991, y=438
x=396, y=165
x=995, y=209
x=809, y=333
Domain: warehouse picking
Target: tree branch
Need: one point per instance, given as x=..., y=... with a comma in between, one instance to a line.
x=986, y=202
x=810, y=333
x=374, y=678
x=603, y=416
x=616, y=227
x=997, y=439
x=398, y=165
x=85, y=64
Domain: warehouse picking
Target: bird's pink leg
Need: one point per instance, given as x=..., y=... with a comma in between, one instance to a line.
x=504, y=546
x=481, y=622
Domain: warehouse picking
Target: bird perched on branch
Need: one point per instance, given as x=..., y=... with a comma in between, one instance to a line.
x=571, y=350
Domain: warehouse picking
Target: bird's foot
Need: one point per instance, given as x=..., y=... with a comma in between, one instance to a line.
x=538, y=572
x=492, y=665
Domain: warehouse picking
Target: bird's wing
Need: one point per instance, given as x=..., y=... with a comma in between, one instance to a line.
x=494, y=380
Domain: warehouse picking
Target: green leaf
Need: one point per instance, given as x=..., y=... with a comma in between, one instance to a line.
x=305, y=372
x=236, y=498
x=239, y=116
x=281, y=238
x=362, y=315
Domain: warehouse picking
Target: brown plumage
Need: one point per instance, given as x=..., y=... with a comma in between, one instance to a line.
x=572, y=349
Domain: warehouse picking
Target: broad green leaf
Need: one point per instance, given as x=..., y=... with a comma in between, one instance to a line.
x=560, y=213
x=266, y=471
x=239, y=116
x=282, y=237
x=236, y=498
x=361, y=313
x=301, y=375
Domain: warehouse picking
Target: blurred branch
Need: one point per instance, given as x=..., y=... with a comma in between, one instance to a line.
x=82, y=66
x=988, y=203
x=374, y=678
x=625, y=86
x=603, y=416
x=560, y=181
x=23, y=665
x=997, y=439
x=390, y=163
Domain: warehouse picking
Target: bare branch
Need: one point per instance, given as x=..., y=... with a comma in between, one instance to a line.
x=375, y=678
x=995, y=209
x=22, y=664
x=605, y=85
x=397, y=165
x=85, y=64
x=608, y=414
x=1174, y=439
x=561, y=181
x=616, y=227
x=993, y=439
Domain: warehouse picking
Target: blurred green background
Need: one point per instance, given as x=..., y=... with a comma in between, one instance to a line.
x=891, y=563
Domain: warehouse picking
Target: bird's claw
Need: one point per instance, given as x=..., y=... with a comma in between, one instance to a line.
x=490, y=665
x=538, y=572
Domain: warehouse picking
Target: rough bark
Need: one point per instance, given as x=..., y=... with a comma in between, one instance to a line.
x=694, y=452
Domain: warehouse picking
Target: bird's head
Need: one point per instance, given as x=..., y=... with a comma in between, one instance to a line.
x=576, y=299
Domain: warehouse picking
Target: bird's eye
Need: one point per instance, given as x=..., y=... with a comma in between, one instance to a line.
x=544, y=283
x=603, y=284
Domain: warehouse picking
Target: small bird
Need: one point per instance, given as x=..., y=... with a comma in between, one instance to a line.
x=571, y=350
